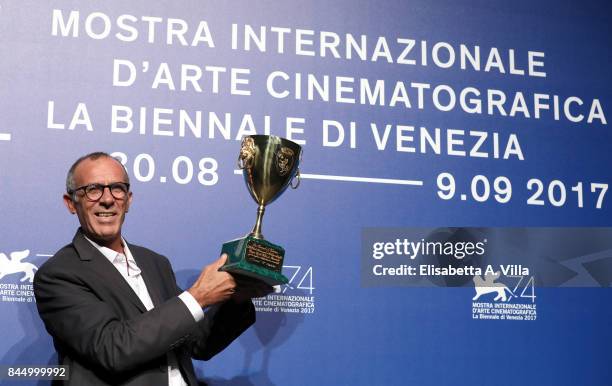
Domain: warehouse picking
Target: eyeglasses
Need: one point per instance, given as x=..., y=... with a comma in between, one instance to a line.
x=94, y=192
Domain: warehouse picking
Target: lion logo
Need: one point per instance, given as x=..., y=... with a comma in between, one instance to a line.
x=284, y=160
x=487, y=286
x=15, y=265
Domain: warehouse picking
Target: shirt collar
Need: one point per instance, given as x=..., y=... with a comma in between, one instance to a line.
x=114, y=256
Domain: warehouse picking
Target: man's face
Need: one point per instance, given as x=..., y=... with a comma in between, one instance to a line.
x=101, y=220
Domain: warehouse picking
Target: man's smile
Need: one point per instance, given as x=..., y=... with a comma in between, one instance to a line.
x=106, y=214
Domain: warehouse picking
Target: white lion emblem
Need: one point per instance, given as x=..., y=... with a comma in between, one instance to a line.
x=488, y=286
x=15, y=265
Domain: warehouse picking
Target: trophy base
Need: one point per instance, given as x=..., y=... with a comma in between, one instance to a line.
x=256, y=258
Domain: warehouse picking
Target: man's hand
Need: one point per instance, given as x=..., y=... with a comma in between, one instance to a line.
x=213, y=286
x=248, y=288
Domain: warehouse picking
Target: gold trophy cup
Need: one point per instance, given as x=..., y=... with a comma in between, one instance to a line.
x=269, y=165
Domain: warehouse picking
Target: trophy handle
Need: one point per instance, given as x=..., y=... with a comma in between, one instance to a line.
x=247, y=153
x=299, y=179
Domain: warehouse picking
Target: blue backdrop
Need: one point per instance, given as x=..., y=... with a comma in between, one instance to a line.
x=412, y=115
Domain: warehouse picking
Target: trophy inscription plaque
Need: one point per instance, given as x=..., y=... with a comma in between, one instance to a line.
x=269, y=165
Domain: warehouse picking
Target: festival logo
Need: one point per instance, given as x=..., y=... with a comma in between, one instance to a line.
x=13, y=268
x=295, y=297
x=16, y=265
x=488, y=285
x=494, y=300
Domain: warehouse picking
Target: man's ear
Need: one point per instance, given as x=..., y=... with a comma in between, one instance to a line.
x=129, y=202
x=69, y=203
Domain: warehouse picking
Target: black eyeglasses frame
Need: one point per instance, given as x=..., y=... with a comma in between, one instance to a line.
x=102, y=188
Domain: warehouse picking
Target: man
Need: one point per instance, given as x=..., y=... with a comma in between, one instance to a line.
x=114, y=310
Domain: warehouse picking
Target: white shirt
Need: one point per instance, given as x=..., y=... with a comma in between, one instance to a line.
x=126, y=265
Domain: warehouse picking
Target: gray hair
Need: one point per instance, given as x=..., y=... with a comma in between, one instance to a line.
x=71, y=185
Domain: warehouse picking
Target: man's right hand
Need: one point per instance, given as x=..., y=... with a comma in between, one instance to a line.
x=213, y=286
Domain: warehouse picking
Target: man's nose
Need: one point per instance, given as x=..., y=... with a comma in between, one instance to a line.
x=107, y=198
